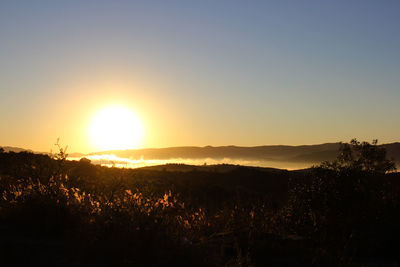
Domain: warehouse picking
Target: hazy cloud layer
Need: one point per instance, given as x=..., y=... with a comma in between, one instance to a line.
x=112, y=160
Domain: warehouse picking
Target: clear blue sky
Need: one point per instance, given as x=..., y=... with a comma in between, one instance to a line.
x=201, y=73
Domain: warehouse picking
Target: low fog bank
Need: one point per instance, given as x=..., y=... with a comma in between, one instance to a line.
x=111, y=160
x=277, y=156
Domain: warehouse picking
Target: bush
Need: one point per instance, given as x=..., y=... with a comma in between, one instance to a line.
x=343, y=206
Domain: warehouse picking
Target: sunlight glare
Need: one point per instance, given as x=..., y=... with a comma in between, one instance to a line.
x=115, y=127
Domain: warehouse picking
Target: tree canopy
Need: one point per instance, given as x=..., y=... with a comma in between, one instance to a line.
x=361, y=156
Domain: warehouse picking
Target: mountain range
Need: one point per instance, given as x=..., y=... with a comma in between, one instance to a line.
x=302, y=154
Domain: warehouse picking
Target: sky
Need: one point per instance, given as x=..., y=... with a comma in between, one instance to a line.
x=200, y=72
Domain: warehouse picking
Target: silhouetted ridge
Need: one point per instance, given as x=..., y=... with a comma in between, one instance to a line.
x=303, y=153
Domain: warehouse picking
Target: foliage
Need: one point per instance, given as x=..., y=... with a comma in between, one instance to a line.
x=76, y=213
x=361, y=156
x=344, y=202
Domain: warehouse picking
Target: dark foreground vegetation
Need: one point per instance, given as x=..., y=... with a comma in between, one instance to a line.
x=68, y=213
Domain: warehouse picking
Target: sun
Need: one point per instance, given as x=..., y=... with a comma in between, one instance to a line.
x=115, y=127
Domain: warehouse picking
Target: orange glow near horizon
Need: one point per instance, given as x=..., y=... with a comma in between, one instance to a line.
x=115, y=127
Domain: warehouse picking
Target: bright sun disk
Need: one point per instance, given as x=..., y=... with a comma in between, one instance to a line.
x=115, y=127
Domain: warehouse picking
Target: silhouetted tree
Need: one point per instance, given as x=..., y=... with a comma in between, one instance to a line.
x=62, y=152
x=84, y=161
x=361, y=156
x=343, y=202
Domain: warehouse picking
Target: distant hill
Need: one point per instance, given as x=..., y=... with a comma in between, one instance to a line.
x=14, y=149
x=312, y=154
x=19, y=149
x=277, y=156
x=217, y=168
x=393, y=151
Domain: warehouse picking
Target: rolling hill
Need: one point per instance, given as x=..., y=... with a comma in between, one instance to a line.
x=312, y=154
